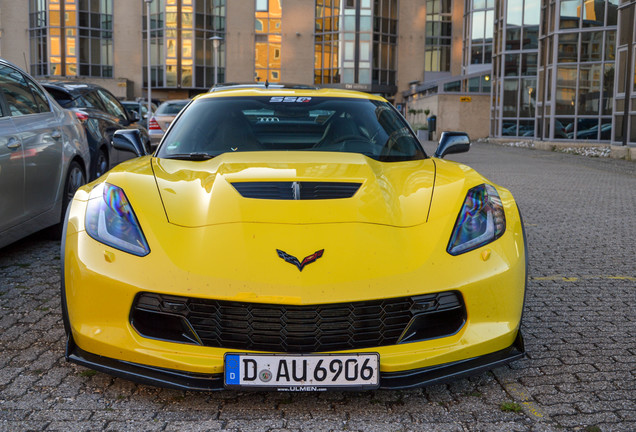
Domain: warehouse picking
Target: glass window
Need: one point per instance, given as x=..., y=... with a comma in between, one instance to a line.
x=566, y=89
x=610, y=45
x=488, y=32
x=485, y=83
x=564, y=128
x=589, y=89
x=513, y=38
x=478, y=29
x=477, y=54
x=529, y=64
x=531, y=37
x=511, y=67
x=453, y=86
x=473, y=84
x=591, y=46
x=515, y=13
x=526, y=128
x=112, y=105
x=40, y=99
x=570, y=14
x=587, y=129
x=567, y=48
x=532, y=13
x=262, y=5
x=593, y=13
x=528, y=97
x=509, y=128
x=90, y=100
x=612, y=12
x=16, y=92
x=368, y=127
x=510, y=97
x=606, y=129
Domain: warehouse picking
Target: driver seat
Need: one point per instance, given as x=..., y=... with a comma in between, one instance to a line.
x=337, y=128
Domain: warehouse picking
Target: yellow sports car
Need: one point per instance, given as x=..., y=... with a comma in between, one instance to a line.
x=292, y=239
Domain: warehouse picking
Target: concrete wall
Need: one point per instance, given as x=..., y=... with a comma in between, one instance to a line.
x=14, y=32
x=411, y=39
x=453, y=115
x=297, y=52
x=128, y=49
x=239, y=43
x=457, y=35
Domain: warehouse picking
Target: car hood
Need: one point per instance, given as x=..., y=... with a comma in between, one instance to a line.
x=201, y=193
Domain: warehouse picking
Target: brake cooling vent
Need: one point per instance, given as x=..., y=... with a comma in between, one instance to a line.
x=303, y=190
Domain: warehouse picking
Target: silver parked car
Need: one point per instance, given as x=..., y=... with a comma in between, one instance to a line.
x=44, y=156
x=163, y=116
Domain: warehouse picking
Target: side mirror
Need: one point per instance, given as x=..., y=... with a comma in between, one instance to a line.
x=129, y=140
x=133, y=116
x=452, y=142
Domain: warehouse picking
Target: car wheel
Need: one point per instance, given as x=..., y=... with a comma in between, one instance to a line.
x=101, y=164
x=75, y=179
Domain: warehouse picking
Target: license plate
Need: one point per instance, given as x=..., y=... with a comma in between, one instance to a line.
x=297, y=372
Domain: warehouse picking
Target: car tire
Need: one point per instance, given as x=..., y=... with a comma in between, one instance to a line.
x=101, y=163
x=75, y=178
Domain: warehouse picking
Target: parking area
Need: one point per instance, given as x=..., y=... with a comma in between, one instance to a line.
x=579, y=327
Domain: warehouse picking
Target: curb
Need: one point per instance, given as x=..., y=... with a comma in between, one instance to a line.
x=579, y=148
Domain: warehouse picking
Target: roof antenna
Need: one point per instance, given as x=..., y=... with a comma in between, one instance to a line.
x=266, y=84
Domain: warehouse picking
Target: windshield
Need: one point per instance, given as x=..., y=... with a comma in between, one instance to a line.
x=171, y=108
x=212, y=126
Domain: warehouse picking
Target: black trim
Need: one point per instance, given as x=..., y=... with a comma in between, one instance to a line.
x=452, y=371
x=181, y=380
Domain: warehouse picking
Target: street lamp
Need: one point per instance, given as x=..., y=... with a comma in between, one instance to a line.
x=149, y=67
x=216, y=41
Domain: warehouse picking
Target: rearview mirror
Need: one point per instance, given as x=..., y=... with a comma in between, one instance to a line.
x=452, y=142
x=129, y=140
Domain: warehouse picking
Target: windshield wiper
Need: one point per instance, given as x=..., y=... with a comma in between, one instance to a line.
x=194, y=156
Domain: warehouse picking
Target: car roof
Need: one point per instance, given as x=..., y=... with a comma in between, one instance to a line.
x=175, y=101
x=70, y=86
x=303, y=91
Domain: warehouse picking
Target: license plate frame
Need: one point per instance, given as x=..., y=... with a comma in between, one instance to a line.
x=308, y=366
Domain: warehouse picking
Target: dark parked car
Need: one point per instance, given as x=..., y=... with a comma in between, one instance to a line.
x=101, y=114
x=43, y=156
x=139, y=107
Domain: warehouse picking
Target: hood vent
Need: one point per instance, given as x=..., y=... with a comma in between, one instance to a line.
x=286, y=190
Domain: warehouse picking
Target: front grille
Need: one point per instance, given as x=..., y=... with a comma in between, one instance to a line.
x=299, y=329
x=304, y=190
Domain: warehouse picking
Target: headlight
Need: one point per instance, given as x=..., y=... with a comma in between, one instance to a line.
x=111, y=220
x=481, y=220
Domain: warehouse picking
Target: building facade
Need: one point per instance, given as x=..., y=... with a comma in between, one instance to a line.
x=545, y=69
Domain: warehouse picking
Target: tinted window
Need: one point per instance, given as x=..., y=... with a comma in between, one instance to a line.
x=235, y=124
x=16, y=92
x=64, y=99
x=40, y=99
x=90, y=100
x=171, y=108
x=112, y=105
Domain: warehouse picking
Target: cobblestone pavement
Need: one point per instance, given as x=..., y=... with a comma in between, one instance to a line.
x=579, y=325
